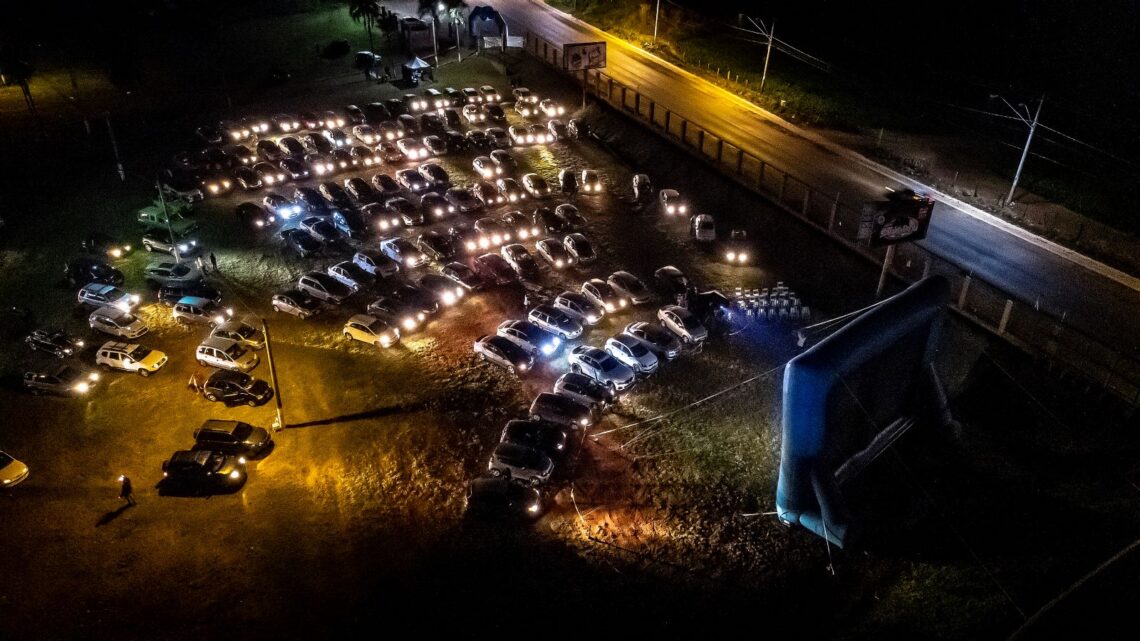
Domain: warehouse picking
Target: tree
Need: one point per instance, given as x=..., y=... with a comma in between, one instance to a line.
x=449, y=8
x=365, y=11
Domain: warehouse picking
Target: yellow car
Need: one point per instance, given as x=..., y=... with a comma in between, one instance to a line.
x=12, y=472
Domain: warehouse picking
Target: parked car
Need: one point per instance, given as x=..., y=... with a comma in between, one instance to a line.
x=580, y=248
x=642, y=189
x=632, y=353
x=601, y=367
x=504, y=352
x=406, y=314
x=412, y=180
x=191, y=309
x=671, y=280
x=534, y=339
x=65, y=379
x=129, y=357
x=86, y=269
x=240, y=331
x=165, y=272
x=351, y=275
x=520, y=260
x=655, y=337
x=671, y=202
x=568, y=181
x=462, y=200
x=580, y=306
x=463, y=275
x=436, y=205
x=375, y=263
x=55, y=342
x=324, y=288
x=403, y=252
x=236, y=388
x=204, y=468
x=105, y=245
x=551, y=109
x=556, y=321
x=501, y=497
x=546, y=437
x=585, y=390
x=536, y=185
x=590, y=182
x=520, y=225
x=520, y=463
x=320, y=228
x=251, y=214
x=574, y=219
x=554, y=253
x=493, y=269
x=172, y=293
x=225, y=354
x=681, y=322
x=436, y=145
x=550, y=221
x=300, y=242
x=446, y=292
x=232, y=437
x=371, y=330
x=13, y=472
x=117, y=322
x=702, y=228
x=603, y=295
x=561, y=410
x=630, y=287
x=409, y=214
x=412, y=149
x=100, y=295
x=296, y=303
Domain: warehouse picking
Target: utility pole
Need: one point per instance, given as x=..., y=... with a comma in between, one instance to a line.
x=656, y=17
x=767, y=55
x=279, y=420
x=1032, y=124
x=434, y=43
x=166, y=217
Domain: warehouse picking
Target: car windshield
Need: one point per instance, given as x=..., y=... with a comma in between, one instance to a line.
x=235, y=351
x=242, y=431
x=140, y=352
x=637, y=349
x=690, y=322
x=101, y=271
x=245, y=331
x=124, y=319
x=5, y=460
x=608, y=364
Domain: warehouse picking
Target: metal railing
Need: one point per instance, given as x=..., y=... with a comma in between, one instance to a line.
x=988, y=306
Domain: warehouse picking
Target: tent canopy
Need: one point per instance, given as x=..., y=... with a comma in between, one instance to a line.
x=416, y=63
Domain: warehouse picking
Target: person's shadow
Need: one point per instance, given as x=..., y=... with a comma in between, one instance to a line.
x=113, y=514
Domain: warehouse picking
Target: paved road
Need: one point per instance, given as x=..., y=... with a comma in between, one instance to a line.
x=1096, y=299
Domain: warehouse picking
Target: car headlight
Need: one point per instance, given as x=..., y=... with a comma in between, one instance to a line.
x=730, y=256
x=471, y=245
x=624, y=302
x=558, y=263
x=134, y=298
x=213, y=189
x=236, y=474
x=670, y=209
x=497, y=239
x=609, y=307
x=241, y=459
x=742, y=257
x=459, y=292
x=448, y=298
x=523, y=367
x=591, y=319
x=421, y=316
x=408, y=323
x=584, y=421
x=547, y=349
x=82, y=388
x=93, y=376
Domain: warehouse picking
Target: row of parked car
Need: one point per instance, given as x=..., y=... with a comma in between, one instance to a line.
x=217, y=460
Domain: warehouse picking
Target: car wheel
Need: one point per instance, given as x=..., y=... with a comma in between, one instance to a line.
x=148, y=247
x=496, y=472
x=251, y=402
x=210, y=396
x=276, y=308
x=535, y=482
x=348, y=336
x=144, y=373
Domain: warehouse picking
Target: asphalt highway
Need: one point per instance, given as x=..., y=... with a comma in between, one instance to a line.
x=1090, y=296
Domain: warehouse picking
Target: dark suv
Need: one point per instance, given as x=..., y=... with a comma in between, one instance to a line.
x=82, y=270
x=232, y=437
x=236, y=388
x=205, y=467
x=171, y=293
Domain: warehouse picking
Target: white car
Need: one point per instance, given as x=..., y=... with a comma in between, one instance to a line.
x=536, y=185
x=580, y=306
x=555, y=321
x=601, y=367
x=629, y=286
x=412, y=149
x=485, y=167
x=240, y=331
x=320, y=228
x=671, y=202
x=297, y=303
x=603, y=295
x=117, y=322
x=366, y=134
x=225, y=354
x=681, y=322
x=351, y=275
x=632, y=353
x=324, y=287
x=12, y=472
x=520, y=136
x=504, y=352
x=129, y=358
x=551, y=109
x=474, y=114
x=403, y=252
x=371, y=330
x=530, y=337
x=375, y=263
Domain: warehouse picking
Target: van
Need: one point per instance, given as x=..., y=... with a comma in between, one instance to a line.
x=226, y=354
x=561, y=410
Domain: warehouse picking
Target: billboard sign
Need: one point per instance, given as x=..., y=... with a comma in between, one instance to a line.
x=903, y=217
x=579, y=56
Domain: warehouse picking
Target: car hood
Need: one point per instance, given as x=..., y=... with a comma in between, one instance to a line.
x=154, y=359
x=13, y=473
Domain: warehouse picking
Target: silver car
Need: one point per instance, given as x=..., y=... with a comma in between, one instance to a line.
x=556, y=321
x=632, y=353
x=521, y=463
x=681, y=322
x=117, y=322
x=601, y=367
x=662, y=341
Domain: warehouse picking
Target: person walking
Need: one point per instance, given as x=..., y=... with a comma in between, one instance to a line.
x=126, y=491
x=200, y=264
x=213, y=262
x=197, y=381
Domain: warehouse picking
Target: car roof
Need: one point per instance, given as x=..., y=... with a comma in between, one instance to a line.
x=194, y=301
x=217, y=342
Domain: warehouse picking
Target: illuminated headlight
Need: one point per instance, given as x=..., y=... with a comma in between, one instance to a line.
x=213, y=189
x=259, y=223
x=498, y=199
x=523, y=234
x=225, y=183
x=235, y=475
x=506, y=238
x=459, y=292
x=561, y=110
x=451, y=209
x=529, y=138
x=280, y=177
x=343, y=164
x=385, y=340
x=683, y=208
x=93, y=376
x=439, y=211
x=421, y=316
x=670, y=209
x=82, y=388
x=534, y=231
x=513, y=197
x=497, y=239
x=742, y=257
x=134, y=299
x=499, y=171
x=584, y=421
x=525, y=112
x=547, y=349
x=320, y=169
x=340, y=122
x=731, y=257
x=610, y=307
x=408, y=323
x=522, y=367
x=269, y=180
x=448, y=298
x=591, y=319
x=558, y=263
x=116, y=252
x=185, y=248
x=79, y=344
x=624, y=302
x=486, y=173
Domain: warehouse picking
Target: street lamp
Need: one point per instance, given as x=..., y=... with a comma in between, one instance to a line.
x=656, y=17
x=1032, y=124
